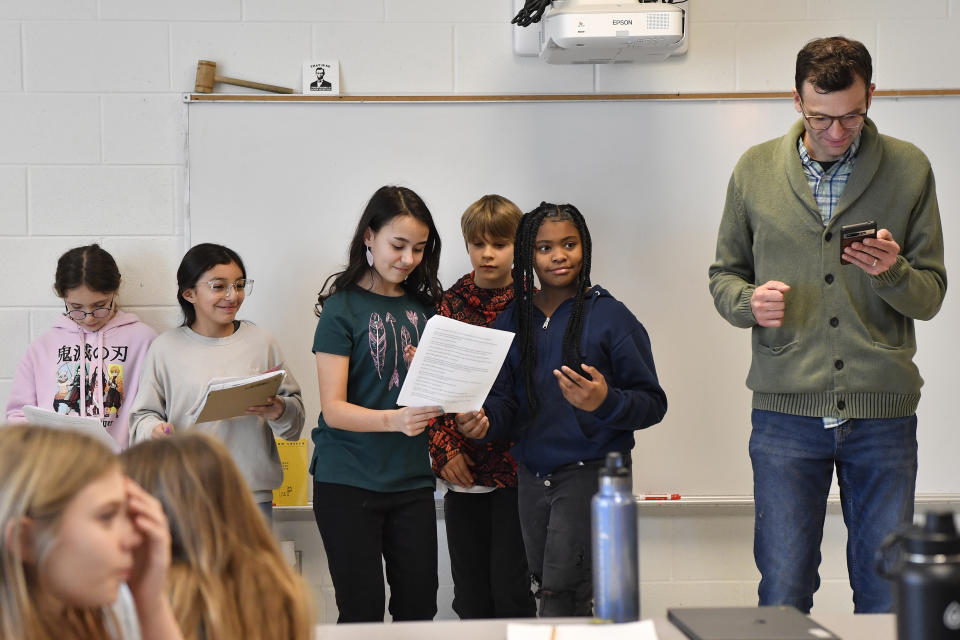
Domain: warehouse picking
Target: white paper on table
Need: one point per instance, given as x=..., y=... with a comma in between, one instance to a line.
x=90, y=426
x=643, y=630
x=455, y=365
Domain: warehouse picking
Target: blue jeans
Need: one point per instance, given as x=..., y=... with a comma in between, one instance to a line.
x=793, y=459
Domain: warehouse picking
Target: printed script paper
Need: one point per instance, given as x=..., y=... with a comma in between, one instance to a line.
x=455, y=365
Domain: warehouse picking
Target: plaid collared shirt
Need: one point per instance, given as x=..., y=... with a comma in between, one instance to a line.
x=827, y=187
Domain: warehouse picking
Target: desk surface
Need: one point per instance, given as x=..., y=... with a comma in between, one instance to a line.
x=876, y=627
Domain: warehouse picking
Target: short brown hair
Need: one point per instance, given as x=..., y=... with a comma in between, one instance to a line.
x=491, y=216
x=833, y=64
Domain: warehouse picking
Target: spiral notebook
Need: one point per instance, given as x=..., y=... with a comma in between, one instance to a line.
x=747, y=623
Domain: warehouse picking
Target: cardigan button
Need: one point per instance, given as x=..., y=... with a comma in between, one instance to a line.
x=828, y=278
x=827, y=236
x=838, y=364
x=841, y=405
x=834, y=322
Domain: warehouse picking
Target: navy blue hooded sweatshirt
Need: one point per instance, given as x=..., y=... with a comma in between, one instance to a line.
x=616, y=344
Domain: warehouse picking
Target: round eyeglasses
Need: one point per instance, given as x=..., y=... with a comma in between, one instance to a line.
x=224, y=288
x=822, y=123
x=79, y=315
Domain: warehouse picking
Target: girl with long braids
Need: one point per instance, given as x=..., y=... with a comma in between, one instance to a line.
x=373, y=485
x=578, y=380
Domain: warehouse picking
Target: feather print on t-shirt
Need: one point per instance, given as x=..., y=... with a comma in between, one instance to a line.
x=378, y=342
x=404, y=343
x=395, y=378
x=413, y=318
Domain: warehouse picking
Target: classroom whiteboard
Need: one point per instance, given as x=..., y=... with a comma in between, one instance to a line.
x=284, y=184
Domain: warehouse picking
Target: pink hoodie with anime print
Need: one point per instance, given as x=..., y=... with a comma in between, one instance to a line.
x=88, y=373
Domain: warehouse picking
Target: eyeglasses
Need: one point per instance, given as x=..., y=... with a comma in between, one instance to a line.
x=79, y=315
x=224, y=288
x=822, y=123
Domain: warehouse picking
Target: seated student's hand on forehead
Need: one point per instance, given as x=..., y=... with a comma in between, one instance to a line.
x=152, y=554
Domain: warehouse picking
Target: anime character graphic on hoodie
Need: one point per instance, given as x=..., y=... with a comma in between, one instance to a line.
x=73, y=371
x=113, y=398
x=67, y=383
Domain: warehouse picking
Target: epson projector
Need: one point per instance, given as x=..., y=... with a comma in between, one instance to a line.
x=578, y=32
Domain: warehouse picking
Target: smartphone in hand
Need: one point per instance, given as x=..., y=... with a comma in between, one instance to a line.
x=850, y=233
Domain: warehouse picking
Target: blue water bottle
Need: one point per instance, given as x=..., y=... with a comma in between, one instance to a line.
x=616, y=566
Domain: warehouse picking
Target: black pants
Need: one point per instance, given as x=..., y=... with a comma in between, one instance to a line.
x=364, y=529
x=555, y=516
x=489, y=565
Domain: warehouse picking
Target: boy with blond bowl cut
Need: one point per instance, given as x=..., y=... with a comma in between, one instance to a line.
x=487, y=556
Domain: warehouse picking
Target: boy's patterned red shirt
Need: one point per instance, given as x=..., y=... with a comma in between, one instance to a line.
x=493, y=464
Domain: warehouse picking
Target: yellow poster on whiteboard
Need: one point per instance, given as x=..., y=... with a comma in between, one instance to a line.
x=293, y=458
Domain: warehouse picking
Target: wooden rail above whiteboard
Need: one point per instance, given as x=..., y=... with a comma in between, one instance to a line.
x=553, y=97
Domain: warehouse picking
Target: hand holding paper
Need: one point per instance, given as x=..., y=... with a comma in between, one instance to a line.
x=454, y=366
x=411, y=420
x=473, y=424
x=272, y=409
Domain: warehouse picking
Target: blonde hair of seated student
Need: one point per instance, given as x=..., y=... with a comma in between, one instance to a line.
x=227, y=579
x=72, y=529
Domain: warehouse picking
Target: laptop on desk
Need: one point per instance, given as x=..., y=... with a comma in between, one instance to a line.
x=747, y=623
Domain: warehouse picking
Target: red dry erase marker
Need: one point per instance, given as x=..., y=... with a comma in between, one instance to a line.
x=664, y=496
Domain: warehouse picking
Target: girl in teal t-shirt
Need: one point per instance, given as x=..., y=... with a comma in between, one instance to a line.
x=373, y=485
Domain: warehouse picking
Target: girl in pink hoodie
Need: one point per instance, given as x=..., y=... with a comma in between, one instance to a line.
x=88, y=363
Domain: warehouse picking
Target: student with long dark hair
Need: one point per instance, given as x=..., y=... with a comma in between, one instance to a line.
x=373, y=485
x=211, y=285
x=88, y=363
x=578, y=380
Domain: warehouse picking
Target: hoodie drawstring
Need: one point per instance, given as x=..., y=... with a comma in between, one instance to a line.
x=97, y=384
x=98, y=390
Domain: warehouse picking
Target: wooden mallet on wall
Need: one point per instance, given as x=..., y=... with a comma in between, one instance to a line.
x=207, y=75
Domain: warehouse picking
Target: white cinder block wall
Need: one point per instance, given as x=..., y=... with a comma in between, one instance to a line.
x=92, y=147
